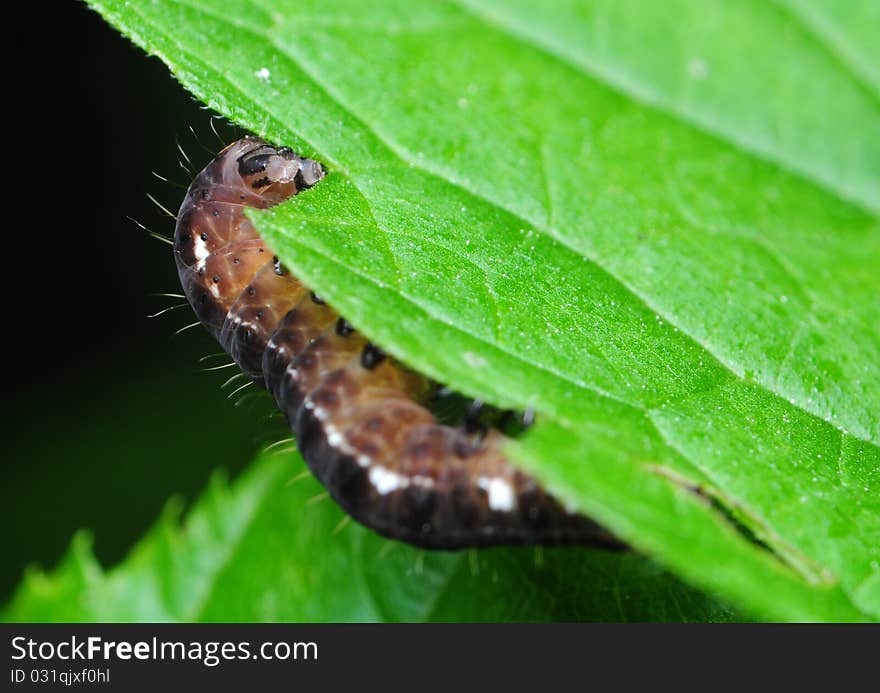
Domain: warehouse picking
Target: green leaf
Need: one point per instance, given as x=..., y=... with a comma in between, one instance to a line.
x=655, y=223
x=275, y=548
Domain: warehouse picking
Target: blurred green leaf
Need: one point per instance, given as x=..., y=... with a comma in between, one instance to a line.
x=275, y=548
x=655, y=223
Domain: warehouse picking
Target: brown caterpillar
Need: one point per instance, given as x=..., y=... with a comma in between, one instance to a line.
x=360, y=418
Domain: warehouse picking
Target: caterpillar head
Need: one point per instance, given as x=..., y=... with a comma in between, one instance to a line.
x=275, y=173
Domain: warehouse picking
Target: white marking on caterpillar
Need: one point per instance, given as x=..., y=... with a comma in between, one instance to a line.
x=423, y=481
x=385, y=481
x=501, y=496
x=201, y=254
x=336, y=439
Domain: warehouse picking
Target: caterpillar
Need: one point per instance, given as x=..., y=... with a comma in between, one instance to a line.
x=360, y=418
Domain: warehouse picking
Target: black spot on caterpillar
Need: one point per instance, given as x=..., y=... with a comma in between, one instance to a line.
x=360, y=418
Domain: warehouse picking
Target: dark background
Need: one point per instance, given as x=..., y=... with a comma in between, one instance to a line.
x=107, y=413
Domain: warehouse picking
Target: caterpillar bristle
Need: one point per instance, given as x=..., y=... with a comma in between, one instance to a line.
x=239, y=389
x=167, y=310
x=304, y=474
x=211, y=121
x=539, y=557
x=199, y=142
x=473, y=562
x=187, y=327
x=168, y=181
x=216, y=354
x=387, y=548
x=161, y=207
x=184, y=155
x=342, y=524
x=278, y=443
x=231, y=380
x=152, y=234
x=284, y=451
x=246, y=397
x=219, y=368
x=318, y=498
